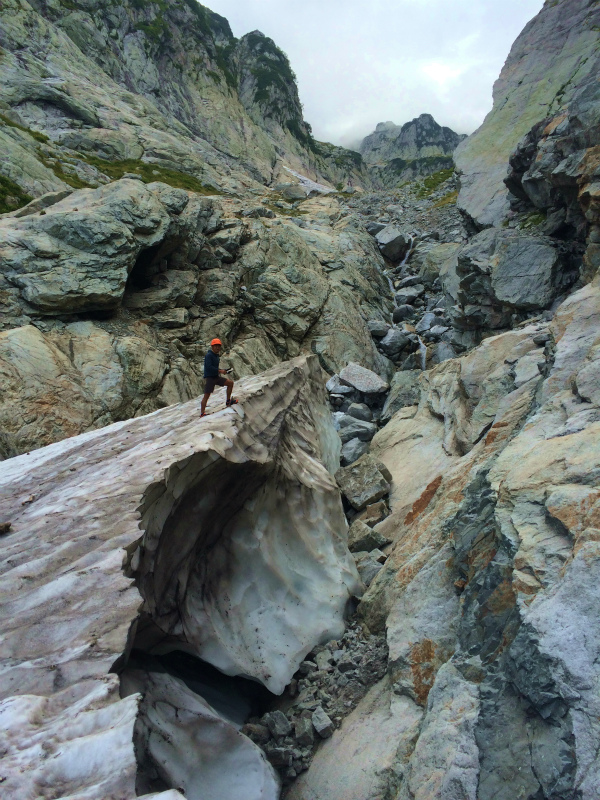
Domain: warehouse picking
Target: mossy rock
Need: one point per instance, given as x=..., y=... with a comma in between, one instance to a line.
x=150, y=173
x=12, y=196
x=39, y=137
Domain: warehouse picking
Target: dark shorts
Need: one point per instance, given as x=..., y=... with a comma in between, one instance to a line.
x=210, y=383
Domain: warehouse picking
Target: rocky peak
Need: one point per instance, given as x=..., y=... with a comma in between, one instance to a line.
x=267, y=86
x=419, y=138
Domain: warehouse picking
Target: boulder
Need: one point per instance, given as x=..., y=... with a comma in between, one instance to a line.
x=393, y=244
x=373, y=514
x=404, y=391
x=362, y=537
x=378, y=328
x=426, y=321
x=402, y=313
x=363, y=380
x=435, y=261
x=321, y=723
x=409, y=295
x=360, y=411
x=374, y=227
x=364, y=482
x=442, y=351
x=335, y=386
x=368, y=567
x=411, y=280
x=304, y=732
x=394, y=342
x=353, y=450
x=278, y=724
x=502, y=271
x=356, y=429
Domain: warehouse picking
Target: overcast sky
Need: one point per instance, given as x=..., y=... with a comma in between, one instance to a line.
x=360, y=62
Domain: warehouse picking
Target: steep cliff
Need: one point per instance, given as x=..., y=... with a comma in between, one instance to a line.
x=91, y=91
x=554, y=56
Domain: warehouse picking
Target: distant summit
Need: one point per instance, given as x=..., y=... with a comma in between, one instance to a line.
x=419, y=138
x=404, y=152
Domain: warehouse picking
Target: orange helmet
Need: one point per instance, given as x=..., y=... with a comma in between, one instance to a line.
x=216, y=341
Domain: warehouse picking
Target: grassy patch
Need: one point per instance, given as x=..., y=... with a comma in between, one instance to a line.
x=285, y=212
x=67, y=177
x=150, y=173
x=449, y=200
x=433, y=182
x=11, y=196
x=532, y=220
x=39, y=137
x=341, y=157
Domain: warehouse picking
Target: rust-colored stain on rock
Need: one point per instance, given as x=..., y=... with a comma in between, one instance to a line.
x=421, y=504
x=422, y=658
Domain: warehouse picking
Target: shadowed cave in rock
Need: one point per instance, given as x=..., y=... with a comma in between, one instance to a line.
x=143, y=270
x=229, y=568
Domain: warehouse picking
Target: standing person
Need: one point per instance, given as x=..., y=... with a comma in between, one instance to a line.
x=214, y=376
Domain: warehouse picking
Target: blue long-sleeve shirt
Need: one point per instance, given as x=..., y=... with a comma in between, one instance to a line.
x=211, y=365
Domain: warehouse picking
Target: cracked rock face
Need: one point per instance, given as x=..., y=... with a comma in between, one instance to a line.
x=553, y=57
x=109, y=297
x=488, y=597
x=145, y=520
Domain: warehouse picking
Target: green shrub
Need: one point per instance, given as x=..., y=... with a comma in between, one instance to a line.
x=223, y=55
x=433, y=182
x=11, y=196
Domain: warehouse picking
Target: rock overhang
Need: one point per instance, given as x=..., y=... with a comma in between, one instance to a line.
x=74, y=581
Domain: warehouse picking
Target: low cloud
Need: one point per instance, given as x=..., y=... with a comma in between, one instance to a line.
x=360, y=62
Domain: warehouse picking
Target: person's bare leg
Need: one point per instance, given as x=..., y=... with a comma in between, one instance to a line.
x=229, y=386
x=203, y=403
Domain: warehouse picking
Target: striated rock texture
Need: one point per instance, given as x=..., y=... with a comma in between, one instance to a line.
x=110, y=296
x=396, y=154
x=489, y=597
x=92, y=90
x=224, y=537
x=553, y=58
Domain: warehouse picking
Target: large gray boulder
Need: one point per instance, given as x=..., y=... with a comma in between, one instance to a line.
x=351, y=428
x=363, y=380
x=364, y=482
x=409, y=294
x=500, y=272
x=404, y=391
x=352, y=451
x=77, y=255
x=392, y=243
x=394, y=342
